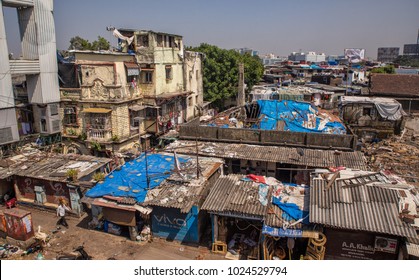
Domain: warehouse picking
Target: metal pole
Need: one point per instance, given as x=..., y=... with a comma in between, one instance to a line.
x=197, y=159
x=146, y=170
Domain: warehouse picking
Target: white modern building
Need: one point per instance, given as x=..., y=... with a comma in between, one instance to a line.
x=38, y=63
x=307, y=57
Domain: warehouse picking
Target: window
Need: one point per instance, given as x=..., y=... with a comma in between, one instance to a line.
x=151, y=113
x=190, y=102
x=147, y=77
x=98, y=121
x=142, y=40
x=169, y=74
x=70, y=116
x=136, y=117
x=43, y=125
x=366, y=111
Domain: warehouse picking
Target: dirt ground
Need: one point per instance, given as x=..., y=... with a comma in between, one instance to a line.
x=102, y=246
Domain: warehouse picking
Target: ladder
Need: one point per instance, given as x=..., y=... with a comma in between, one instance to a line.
x=361, y=180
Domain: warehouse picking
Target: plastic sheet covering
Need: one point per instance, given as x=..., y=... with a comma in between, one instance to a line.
x=291, y=211
x=388, y=108
x=131, y=180
x=295, y=116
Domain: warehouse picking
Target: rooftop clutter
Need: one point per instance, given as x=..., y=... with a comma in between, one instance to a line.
x=295, y=116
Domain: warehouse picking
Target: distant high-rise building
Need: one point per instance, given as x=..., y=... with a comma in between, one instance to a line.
x=412, y=49
x=387, y=54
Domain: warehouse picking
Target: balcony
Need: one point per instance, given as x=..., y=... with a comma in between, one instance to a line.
x=100, y=135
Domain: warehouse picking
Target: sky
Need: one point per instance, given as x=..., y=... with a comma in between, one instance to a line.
x=268, y=26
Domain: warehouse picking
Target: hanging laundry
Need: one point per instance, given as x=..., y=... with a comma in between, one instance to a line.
x=117, y=34
x=134, y=83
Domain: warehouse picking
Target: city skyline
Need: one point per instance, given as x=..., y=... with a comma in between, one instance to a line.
x=278, y=27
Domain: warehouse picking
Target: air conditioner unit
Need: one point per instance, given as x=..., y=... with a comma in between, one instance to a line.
x=383, y=244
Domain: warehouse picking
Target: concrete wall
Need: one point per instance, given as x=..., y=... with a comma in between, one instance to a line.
x=194, y=83
x=120, y=121
x=106, y=73
x=268, y=137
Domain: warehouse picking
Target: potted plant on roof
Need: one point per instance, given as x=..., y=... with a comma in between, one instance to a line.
x=99, y=177
x=72, y=174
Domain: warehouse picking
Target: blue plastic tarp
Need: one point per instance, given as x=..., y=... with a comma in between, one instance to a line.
x=294, y=115
x=131, y=180
x=291, y=211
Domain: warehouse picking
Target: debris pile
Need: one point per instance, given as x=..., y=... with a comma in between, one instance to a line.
x=399, y=156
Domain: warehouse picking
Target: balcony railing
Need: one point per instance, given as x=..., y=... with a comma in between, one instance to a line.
x=99, y=134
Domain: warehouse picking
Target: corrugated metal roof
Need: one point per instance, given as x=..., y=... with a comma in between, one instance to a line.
x=183, y=194
x=364, y=207
x=296, y=156
x=231, y=195
x=52, y=167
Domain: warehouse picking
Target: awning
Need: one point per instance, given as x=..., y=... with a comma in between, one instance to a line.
x=137, y=107
x=280, y=232
x=97, y=110
x=132, y=69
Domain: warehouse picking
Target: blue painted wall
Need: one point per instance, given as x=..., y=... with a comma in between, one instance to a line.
x=169, y=223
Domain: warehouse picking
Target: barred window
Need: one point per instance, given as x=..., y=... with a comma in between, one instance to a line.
x=70, y=116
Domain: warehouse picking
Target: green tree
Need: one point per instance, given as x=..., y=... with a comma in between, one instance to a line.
x=407, y=60
x=78, y=43
x=81, y=44
x=221, y=72
x=100, y=44
x=389, y=69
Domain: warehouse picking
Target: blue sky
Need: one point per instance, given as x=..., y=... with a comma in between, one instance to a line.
x=270, y=26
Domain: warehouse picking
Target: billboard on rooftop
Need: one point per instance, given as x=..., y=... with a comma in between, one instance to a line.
x=354, y=55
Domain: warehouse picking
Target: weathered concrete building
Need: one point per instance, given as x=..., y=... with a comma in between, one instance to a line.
x=39, y=64
x=170, y=79
x=101, y=101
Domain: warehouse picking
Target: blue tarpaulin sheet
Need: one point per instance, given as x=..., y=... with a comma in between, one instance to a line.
x=291, y=211
x=295, y=116
x=131, y=180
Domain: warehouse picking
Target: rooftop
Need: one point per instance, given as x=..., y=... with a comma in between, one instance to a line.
x=232, y=195
x=49, y=166
x=183, y=193
x=395, y=85
x=295, y=156
x=364, y=201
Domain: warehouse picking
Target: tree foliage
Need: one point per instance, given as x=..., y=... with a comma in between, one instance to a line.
x=407, y=60
x=221, y=72
x=81, y=44
x=389, y=69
